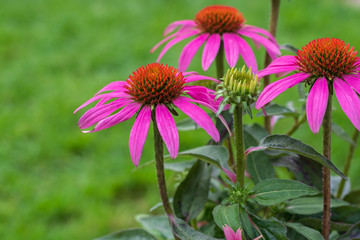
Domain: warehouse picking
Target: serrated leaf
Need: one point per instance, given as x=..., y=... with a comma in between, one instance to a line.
x=340, y=132
x=311, y=205
x=275, y=110
x=271, y=228
x=274, y=191
x=210, y=153
x=286, y=143
x=307, y=232
x=185, y=232
x=157, y=225
x=129, y=234
x=191, y=195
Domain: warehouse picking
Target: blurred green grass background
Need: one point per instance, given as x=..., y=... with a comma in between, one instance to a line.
x=58, y=183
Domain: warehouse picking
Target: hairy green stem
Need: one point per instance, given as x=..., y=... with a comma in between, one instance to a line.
x=296, y=125
x=274, y=15
x=348, y=162
x=326, y=171
x=160, y=173
x=239, y=144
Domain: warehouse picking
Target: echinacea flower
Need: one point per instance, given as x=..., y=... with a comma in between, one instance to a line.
x=151, y=88
x=325, y=65
x=231, y=235
x=217, y=26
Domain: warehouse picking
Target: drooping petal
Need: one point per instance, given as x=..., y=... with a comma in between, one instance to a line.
x=255, y=29
x=276, y=88
x=193, y=78
x=353, y=81
x=126, y=113
x=231, y=48
x=96, y=114
x=198, y=115
x=283, y=61
x=138, y=134
x=172, y=26
x=189, y=51
x=211, y=49
x=349, y=101
x=114, y=86
x=164, y=41
x=316, y=104
x=271, y=47
x=167, y=129
x=247, y=54
x=189, y=73
x=282, y=64
x=174, y=41
x=230, y=174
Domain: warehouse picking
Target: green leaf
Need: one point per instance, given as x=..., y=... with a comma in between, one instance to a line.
x=274, y=191
x=340, y=132
x=191, y=195
x=157, y=225
x=235, y=217
x=353, y=197
x=185, y=232
x=307, y=232
x=352, y=234
x=258, y=163
x=271, y=228
x=275, y=109
x=187, y=124
x=286, y=143
x=129, y=234
x=256, y=131
x=347, y=214
x=311, y=205
x=179, y=166
x=210, y=153
x=316, y=223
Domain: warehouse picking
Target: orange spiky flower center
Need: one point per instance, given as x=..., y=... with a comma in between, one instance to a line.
x=327, y=57
x=155, y=84
x=219, y=19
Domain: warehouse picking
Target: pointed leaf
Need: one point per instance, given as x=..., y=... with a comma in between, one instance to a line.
x=286, y=143
x=311, y=205
x=271, y=228
x=157, y=225
x=274, y=191
x=340, y=132
x=179, y=166
x=129, y=234
x=191, y=195
x=307, y=232
x=275, y=109
x=353, y=197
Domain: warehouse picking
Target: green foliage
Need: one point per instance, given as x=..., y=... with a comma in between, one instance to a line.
x=131, y=234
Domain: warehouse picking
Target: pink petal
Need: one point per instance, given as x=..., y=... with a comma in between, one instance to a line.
x=353, y=81
x=175, y=41
x=247, y=54
x=167, y=129
x=231, y=48
x=276, y=88
x=114, y=86
x=189, y=51
x=229, y=233
x=126, y=113
x=254, y=29
x=174, y=25
x=198, y=115
x=349, y=101
x=283, y=61
x=98, y=113
x=238, y=234
x=189, y=73
x=138, y=134
x=193, y=78
x=275, y=69
x=211, y=49
x=316, y=104
x=164, y=41
x=253, y=149
x=271, y=47
x=230, y=174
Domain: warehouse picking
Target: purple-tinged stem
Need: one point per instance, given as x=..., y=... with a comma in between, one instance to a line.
x=239, y=144
x=348, y=162
x=326, y=171
x=274, y=15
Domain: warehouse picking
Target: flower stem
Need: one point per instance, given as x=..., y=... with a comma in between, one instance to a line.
x=239, y=144
x=326, y=170
x=348, y=162
x=296, y=125
x=274, y=15
x=220, y=61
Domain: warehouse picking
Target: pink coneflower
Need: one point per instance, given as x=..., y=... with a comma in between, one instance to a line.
x=231, y=235
x=215, y=26
x=325, y=65
x=152, y=88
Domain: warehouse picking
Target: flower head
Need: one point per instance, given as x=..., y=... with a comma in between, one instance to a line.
x=231, y=235
x=153, y=88
x=325, y=64
x=215, y=26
